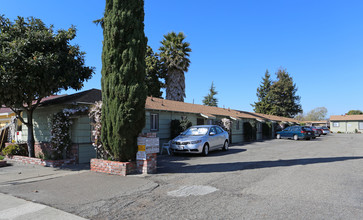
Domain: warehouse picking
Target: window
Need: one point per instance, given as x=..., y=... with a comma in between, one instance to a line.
x=196, y=131
x=219, y=130
x=360, y=126
x=210, y=121
x=200, y=121
x=154, y=122
x=213, y=129
x=335, y=124
x=237, y=125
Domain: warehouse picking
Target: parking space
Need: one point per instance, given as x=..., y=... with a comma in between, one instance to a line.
x=274, y=179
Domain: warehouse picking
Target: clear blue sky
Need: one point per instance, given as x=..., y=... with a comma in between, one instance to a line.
x=320, y=43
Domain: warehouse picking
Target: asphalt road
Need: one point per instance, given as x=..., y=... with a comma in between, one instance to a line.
x=276, y=179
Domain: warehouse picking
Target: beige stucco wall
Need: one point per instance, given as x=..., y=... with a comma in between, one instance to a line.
x=345, y=126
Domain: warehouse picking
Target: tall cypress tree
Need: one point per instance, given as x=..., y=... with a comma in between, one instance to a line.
x=209, y=99
x=123, y=77
x=283, y=96
x=263, y=105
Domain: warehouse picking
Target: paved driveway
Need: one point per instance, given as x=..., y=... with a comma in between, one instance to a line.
x=276, y=179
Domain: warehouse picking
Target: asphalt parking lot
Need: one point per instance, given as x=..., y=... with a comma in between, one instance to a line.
x=275, y=179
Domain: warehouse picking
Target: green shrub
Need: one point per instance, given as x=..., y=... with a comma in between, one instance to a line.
x=61, y=139
x=1, y=157
x=185, y=123
x=177, y=127
x=45, y=156
x=14, y=149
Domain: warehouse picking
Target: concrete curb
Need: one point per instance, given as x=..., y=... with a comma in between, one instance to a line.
x=15, y=208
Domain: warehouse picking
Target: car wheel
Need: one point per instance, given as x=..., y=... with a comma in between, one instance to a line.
x=278, y=136
x=314, y=137
x=225, y=146
x=296, y=137
x=205, y=150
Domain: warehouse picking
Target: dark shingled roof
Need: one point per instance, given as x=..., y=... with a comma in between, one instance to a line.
x=88, y=96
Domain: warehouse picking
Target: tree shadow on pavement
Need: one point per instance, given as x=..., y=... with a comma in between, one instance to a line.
x=75, y=167
x=180, y=167
x=186, y=156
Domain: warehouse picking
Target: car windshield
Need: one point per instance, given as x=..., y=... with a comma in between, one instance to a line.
x=306, y=129
x=196, y=131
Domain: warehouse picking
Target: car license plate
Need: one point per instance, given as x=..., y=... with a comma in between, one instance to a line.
x=309, y=133
x=181, y=147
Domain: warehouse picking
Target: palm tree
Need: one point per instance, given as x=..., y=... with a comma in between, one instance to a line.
x=174, y=53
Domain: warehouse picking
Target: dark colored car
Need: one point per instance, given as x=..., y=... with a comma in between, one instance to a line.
x=317, y=131
x=296, y=133
x=325, y=130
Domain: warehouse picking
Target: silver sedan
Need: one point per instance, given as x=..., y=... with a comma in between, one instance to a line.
x=200, y=139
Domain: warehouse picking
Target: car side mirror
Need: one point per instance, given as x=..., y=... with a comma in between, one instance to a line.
x=212, y=133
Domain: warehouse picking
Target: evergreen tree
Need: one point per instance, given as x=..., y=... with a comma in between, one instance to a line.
x=154, y=72
x=210, y=100
x=284, y=101
x=174, y=54
x=263, y=105
x=123, y=77
x=355, y=112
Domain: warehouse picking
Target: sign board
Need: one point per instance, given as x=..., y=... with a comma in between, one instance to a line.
x=147, y=145
x=141, y=141
x=141, y=147
x=152, y=149
x=151, y=141
x=141, y=155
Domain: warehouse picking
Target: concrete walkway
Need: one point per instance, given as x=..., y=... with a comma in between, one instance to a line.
x=15, y=208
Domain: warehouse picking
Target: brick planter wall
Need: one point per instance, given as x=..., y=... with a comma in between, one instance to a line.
x=113, y=167
x=41, y=162
x=44, y=147
x=149, y=165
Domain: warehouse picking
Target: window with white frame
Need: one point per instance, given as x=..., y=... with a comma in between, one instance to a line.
x=360, y=125
x=154, y=122
x=335, y=124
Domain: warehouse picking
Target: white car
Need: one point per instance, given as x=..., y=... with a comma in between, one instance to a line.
x=200, y=139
